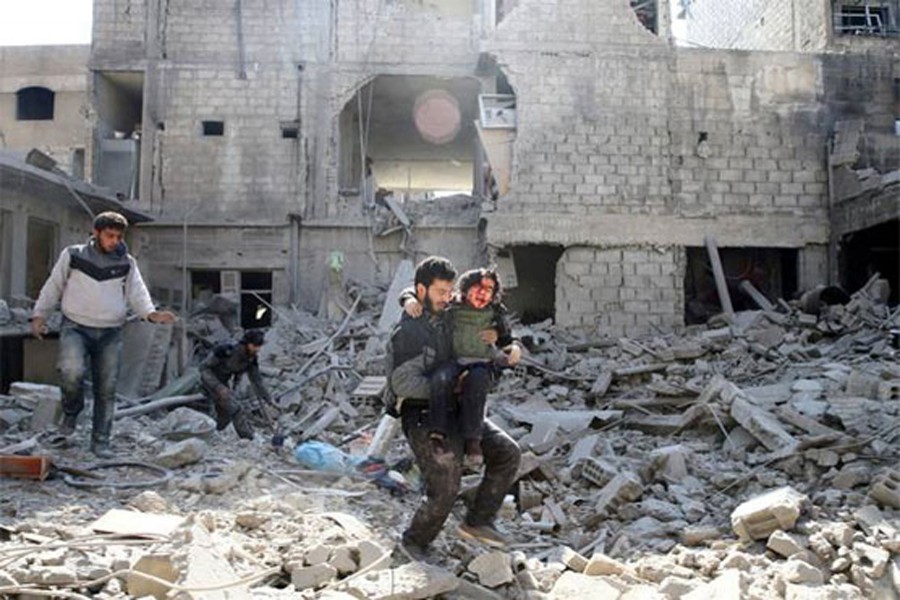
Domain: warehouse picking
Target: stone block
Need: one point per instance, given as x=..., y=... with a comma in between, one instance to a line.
x=799, y=571
x=313, y=576
x=343, y=558
x=730, y=585
x=670, y=462
x=493, y=569
x=575, y=585
x=758, y=517
x=570, y=558
x=601, y=564
x=784, y=544
x=624, y=487
x=318, y=554
x=179, y=454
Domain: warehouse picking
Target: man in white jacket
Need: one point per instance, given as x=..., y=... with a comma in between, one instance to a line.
x=96, y=283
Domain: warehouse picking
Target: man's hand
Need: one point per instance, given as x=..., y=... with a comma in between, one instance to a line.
x=162, y=316
x=413, y=308
x=38, y=327
x=515, y=354
x=489, y=336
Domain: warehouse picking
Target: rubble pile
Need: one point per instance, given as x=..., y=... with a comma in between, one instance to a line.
x=755, y=458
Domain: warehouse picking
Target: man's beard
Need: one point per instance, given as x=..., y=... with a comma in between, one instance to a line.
x=430, y=307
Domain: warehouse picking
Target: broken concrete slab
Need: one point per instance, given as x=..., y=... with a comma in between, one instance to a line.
x=160, y=566
x=760, y=516
x=575, y=585
x=412, y=581
x=204, y=565
x=314, y=576
x=762, y=425
x=492, y=568
x=137, y=524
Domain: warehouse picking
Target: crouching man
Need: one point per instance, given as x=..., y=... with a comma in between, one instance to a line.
x=220, y=373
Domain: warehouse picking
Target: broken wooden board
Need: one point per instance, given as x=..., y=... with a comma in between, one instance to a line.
x=24, y=467
x=137, y=524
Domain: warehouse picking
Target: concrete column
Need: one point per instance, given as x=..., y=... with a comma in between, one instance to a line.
x=812, y=266
x=19, y=254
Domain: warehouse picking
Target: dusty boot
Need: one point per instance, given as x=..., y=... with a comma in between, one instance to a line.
x=474, y=455
x=242, y=425
x=68, y=425
x=102, y=450
x=222, y=420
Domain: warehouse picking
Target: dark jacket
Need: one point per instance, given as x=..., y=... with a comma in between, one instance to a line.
x=417, y=347
x=225, y=365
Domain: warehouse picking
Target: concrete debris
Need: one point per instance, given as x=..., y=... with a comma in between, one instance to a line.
x=180, y=454
x=762, y=515
x=412, y=581
x=648, y=462
x=493, y=569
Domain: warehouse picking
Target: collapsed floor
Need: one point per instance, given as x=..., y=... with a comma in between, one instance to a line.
x=745, y=460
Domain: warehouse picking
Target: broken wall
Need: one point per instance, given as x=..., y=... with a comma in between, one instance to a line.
x=621, y=290
x=624, y=143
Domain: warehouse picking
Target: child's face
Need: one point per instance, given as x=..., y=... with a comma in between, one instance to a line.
x=481, y=294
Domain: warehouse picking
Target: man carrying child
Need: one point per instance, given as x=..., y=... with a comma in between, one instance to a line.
x=424, y=369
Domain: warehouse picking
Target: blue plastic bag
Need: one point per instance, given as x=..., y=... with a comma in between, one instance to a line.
x=320, y=456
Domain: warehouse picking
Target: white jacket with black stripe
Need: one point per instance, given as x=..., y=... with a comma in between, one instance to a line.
x=96, y=288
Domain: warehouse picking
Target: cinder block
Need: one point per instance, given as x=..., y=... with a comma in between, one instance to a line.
x=759, y=517
x=886, y=488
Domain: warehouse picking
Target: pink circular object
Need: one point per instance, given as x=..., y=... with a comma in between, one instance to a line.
x=436, y=115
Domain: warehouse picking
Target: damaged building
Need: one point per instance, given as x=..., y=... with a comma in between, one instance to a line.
x=574, y=143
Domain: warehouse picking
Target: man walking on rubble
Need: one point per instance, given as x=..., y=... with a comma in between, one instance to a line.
x=95, y=283
x=222, y=369
x=419, y=346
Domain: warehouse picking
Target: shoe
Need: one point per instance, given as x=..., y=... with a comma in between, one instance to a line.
x=413, y=551
x=102, y=450
x=67, y=427
x=486, y=534
x=242, y=426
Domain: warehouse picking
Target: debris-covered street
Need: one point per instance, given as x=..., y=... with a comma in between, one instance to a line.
x=452, y=299
x=753, y=460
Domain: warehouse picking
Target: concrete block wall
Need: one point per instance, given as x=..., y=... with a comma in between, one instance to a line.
x=625, y=290
x=251, y=173
x=763, y=152
x=773, y=25
x=435, y=32
x=119, y=30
